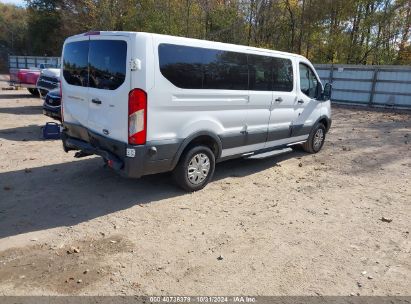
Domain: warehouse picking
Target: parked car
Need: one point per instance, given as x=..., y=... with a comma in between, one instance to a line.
x=26, y=78
x=52, y=104
x=48, y=80
x=25, y=70
x=150, y=103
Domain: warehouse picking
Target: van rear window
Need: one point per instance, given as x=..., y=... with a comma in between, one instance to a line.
x=75, y=63
x=108, y=59
x=97, y=64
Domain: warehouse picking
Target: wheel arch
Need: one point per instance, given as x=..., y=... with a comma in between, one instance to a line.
x=206, y=138
x=325, y=121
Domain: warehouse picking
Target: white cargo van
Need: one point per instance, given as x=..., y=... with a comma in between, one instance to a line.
x=150, y=103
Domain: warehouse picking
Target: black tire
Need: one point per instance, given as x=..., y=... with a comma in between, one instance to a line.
x=313, y=145
x=34, y=92
x=297, y=148
x=181, y=171
x=43, y=93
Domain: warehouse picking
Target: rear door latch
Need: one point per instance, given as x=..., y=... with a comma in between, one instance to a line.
x=135, y=64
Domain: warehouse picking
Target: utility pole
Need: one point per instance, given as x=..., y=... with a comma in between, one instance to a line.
x=12, y=41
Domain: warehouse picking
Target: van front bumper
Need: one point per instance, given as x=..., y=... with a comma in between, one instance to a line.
x=128, y=160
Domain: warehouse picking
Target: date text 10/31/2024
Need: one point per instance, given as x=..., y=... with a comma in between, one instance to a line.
x=203, y=299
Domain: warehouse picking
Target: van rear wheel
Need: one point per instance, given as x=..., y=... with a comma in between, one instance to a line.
x=195, y=168
x=315, y=140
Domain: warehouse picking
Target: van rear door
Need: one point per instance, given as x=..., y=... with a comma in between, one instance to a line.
x=74, y=80
x=109, y=85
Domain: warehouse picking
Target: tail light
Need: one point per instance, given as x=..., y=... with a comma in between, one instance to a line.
x=61, y=102
x=137, y=117
x=21, y=76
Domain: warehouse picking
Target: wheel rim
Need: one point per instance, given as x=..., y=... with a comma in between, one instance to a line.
x=318, y=139
x=198, y=168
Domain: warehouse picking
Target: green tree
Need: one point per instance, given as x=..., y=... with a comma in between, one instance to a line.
x=44, y=25
x=13, y=32
x=325, y=31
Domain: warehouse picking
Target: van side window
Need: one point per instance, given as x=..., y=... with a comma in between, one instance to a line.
x=75, y=68
x=199, y=68
x=308, y=81
x=261, y=74
x=181, y=65
x=283, y=80
x=224, y=70
x=108, y=60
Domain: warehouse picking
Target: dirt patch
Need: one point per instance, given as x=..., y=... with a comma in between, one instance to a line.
x=290, y=224
x=59, y=267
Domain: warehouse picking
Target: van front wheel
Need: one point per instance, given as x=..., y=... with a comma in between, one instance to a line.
x=316, y=139
x=195, y=168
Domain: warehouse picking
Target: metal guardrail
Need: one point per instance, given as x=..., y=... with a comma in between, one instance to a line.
x=383, y=86
x=369, y=85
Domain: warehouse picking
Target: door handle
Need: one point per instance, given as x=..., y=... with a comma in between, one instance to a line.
x=279, y=99
x=96, y=101
x=300, y=101
x=244, y=130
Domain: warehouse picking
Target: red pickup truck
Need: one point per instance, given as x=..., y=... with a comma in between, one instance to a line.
x=25, y=70
x=26, y=78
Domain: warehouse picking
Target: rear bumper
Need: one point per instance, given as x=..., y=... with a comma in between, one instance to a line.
x=154, y=157
x=70, y=143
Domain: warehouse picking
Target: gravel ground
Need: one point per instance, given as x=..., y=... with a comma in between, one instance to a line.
x=334, y=223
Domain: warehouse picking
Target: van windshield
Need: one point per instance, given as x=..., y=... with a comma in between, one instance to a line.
x=99, y=64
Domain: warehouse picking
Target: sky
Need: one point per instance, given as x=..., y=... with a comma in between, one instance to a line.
x=16, y=2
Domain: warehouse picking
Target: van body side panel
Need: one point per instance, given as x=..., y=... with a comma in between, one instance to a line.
x=258, y=115
x=326, y=112
x=143, y=77
x=177, y=113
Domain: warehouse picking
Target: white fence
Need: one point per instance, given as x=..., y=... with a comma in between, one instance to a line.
x=26, y=62
x=371, y=85
x=386, y=86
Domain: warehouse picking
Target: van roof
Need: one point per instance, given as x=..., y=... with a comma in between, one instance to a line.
x=189, y=41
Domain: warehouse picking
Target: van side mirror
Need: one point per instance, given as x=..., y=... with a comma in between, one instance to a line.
x=327, y=91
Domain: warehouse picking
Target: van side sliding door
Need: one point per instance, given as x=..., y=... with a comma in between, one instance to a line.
x=260, y=98
x=282, y=111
